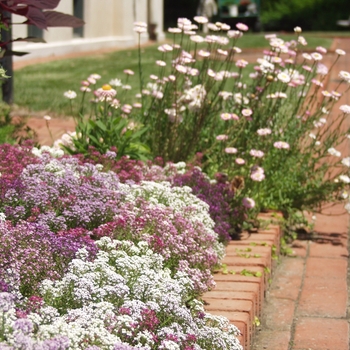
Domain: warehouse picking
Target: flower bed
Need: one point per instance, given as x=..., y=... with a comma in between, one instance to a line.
x=109, y=239
x=88, y=262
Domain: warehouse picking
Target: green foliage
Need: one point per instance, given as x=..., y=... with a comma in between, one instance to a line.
x=7, y=129
x=5, y=134
x=309, y=14
x=106, y=128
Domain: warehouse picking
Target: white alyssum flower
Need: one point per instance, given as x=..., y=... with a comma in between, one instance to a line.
x=346, y=161
x=334, y=152
x=178, y=198
x=345, y=179
x=54, y=152
x=124, y=276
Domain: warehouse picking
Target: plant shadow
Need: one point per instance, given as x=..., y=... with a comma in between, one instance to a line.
x=334, y=238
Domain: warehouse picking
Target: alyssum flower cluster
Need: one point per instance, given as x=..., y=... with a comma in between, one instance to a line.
x=88, y=262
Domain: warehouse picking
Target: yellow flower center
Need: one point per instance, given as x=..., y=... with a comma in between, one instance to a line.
x=106, y=87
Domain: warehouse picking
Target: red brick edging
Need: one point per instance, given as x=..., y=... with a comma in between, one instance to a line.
x=242, y=283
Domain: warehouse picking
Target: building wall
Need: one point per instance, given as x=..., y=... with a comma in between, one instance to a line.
x=60, y=34
x=108, y=24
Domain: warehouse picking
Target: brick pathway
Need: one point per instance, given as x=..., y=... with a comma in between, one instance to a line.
x=307, y=305
x=302, y=302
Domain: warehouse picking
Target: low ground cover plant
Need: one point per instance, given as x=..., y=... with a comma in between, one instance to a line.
x=125, y=296
x=121, y=263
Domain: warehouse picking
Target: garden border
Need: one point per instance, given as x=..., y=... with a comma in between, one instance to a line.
x=242, y=284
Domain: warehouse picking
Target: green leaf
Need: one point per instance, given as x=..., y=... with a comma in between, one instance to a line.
x=101, y=125
x=140, y=132
x=94, y=139
x=247, y=273
x=267, y=270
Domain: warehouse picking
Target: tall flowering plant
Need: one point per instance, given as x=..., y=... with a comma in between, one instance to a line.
x=282, y=133
x=254, y=124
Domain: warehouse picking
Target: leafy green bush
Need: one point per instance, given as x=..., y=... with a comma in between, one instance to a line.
x=105, y=125
x=319, y=15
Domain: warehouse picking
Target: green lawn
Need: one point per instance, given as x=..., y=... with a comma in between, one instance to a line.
x=40, y=87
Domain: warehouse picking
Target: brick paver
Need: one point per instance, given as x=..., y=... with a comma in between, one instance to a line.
x=321, y=334
x=323, y=298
